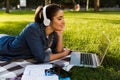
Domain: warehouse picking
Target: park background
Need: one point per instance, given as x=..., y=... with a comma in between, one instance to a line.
x=83, y=30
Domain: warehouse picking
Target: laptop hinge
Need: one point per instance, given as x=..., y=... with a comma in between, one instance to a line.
x=97, y=60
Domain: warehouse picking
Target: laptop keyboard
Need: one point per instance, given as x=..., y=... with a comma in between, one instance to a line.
x=86, y=59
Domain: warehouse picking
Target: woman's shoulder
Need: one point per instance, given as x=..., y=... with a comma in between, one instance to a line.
x=35, y=25
x=29, y=27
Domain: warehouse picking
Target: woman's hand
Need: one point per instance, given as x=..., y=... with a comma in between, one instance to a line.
x=66, y=51
x=59, y=55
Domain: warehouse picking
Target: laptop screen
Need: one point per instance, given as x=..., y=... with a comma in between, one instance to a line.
x=103, y=46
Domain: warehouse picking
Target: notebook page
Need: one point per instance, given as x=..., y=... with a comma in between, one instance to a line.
x=37, y=72
x=39, y=69
x=40, y=78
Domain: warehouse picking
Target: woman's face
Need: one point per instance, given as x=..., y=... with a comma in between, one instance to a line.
x=58, y=22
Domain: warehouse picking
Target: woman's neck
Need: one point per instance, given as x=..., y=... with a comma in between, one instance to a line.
x=48, y=30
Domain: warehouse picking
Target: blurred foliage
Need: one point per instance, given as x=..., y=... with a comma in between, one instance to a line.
x=35, y=3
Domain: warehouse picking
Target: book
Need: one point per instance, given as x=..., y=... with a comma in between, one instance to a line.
x=37, y=72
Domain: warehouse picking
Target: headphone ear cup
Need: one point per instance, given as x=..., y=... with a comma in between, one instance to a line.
x=46, y=22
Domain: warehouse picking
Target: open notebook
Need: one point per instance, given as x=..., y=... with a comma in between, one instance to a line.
x=37, y=72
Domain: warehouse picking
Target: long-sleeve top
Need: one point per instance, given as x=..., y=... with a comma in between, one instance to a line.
x=31, y=42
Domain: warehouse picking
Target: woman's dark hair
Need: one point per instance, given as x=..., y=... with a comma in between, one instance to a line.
x=51, y=11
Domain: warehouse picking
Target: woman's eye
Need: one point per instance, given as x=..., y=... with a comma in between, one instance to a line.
x=60, y=19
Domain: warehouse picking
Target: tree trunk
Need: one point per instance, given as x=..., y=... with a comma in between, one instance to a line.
x=74, y=2
x=87, y=5
x=47, y=2
x=96, y=5
x=7, y=6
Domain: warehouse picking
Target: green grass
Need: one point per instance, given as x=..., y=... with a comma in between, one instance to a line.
x=83, y=30
x=14, y=22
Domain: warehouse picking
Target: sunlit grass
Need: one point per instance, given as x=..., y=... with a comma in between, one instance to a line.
x=82, y=33
x=90, y=25
x=14, y=18
x=14, y=22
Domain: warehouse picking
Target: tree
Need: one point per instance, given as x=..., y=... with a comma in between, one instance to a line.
x=87, y=5
x=74, y=3
x=47, y=2
x=7, y=6
x=96, y=5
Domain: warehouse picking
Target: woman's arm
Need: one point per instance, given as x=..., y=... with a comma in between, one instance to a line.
x=59, y=46
x=35, y=43
x=59, y=55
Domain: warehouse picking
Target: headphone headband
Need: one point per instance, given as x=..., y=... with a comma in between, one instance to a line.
x=46, y=21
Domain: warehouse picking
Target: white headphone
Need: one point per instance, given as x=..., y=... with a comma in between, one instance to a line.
x=46, y=21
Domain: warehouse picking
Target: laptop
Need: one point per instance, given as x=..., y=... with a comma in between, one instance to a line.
x=92, y=60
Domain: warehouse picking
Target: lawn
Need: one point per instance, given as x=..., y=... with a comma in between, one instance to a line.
x=82, y=33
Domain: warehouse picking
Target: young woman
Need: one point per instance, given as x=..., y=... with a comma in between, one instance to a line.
x=37, y=37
